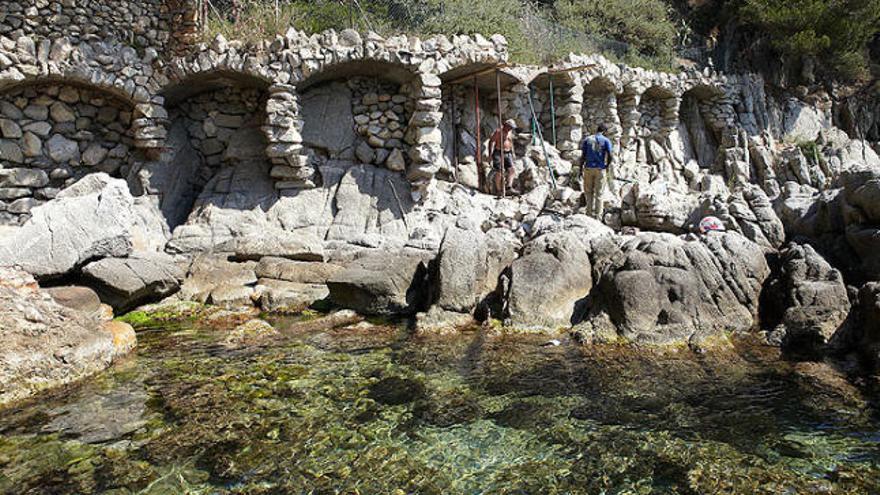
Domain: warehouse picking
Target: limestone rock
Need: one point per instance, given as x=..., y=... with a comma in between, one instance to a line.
x=95, y=218
x=383, y=283
x=125, y=283
x=660, y=288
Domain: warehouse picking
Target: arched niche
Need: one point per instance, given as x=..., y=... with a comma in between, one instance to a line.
x=52, y=133
x=600, y=107
x=215, y=132
x=467, y=91
x=560, y=116
x=360, y=111
x=657, y=113
x=701, y=124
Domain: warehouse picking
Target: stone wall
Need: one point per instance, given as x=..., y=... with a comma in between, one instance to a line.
x=381, y=115
x=54, y=134
x=138, y=23
x=213, y=118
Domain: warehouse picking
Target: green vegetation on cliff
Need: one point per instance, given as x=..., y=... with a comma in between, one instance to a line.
x=836, y=35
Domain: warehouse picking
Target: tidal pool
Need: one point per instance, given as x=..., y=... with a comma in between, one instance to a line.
x=376, y=410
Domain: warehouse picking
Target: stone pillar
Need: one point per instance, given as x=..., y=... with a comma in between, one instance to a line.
x=292, y=168
x=569, y=120
x=424, y=135
x=628, y=109
x=149, y=127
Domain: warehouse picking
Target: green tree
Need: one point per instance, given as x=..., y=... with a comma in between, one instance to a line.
x=835, y=32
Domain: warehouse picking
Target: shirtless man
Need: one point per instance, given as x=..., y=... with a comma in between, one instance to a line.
x=502, y=139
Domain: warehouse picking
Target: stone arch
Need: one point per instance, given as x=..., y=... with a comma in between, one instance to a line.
x=658, y=113
x=393, y=115
x=562, y=124
x=701, y=123
x=600, y=106
x=217, y=131
x=460, y=143
x=55, y=130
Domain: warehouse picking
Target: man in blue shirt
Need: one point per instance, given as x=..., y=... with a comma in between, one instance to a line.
x=595, y=159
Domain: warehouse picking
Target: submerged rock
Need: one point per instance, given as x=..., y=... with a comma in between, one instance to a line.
x=251, y=331
x=45, y=344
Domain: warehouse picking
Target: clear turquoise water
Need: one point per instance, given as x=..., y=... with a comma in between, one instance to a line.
x=376, y=411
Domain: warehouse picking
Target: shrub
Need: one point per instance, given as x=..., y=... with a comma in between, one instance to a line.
x=646, y=25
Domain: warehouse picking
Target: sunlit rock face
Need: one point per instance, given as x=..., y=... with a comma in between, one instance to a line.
x=660, y=288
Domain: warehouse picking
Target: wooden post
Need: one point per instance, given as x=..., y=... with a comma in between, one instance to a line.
x=500, y=134
x=480, y=170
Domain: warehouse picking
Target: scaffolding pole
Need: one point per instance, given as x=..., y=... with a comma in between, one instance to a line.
x=500, y=135
x=482, y=172
x=543, y=144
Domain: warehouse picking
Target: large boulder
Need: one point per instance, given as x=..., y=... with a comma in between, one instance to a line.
x=305, y=272
x=812, y=299
x=549, y=283
x=660, y=288
x=383, y=283
x=45, y=344
x=842, y=223
x=281, y=296
x=301, y=246
x=95, y=218
x=656, y=207
x=469, y=267
x=861, y=213
x=125, y=283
